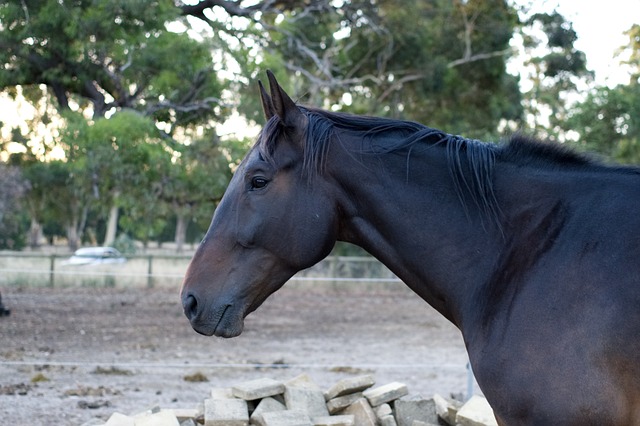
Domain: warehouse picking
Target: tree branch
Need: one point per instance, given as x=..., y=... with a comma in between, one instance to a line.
x=201, y=105
x=233, y=8
x=477, y=57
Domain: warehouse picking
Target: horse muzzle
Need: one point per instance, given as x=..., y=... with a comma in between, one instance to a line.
x=222, y=319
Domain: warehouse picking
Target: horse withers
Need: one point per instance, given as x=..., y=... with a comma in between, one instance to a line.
x=529, y=249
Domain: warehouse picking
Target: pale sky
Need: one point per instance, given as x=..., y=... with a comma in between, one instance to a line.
x=600, y=26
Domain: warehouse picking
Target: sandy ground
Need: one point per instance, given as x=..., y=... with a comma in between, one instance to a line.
x=69, y=355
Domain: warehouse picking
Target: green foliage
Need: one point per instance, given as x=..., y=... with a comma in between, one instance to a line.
x=439, y=62
x=126, y=160
x=12, y=219
x=555, y=74
x=111, y=54
x=608, y=122
x=58, y=191
x=125, y=244
x=633, y=48
x=198, y=178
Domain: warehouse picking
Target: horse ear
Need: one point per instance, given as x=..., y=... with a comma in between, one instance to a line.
x=267, y=103
x=283, y=105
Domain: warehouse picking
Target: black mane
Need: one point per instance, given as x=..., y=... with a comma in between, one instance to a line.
x=523, y=150
x=518, y=149
x=471, y=162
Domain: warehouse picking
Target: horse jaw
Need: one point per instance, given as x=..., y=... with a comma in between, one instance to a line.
x=218, y=307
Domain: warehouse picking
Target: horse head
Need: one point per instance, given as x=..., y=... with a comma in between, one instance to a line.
x=273, y=220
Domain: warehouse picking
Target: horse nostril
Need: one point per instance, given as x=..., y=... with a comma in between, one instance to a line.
x=190, y=305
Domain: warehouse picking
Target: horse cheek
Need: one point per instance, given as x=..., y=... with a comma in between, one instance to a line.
x=319, y=236
x=248, y=229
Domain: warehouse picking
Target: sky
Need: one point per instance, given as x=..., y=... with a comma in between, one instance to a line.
x=600, y=26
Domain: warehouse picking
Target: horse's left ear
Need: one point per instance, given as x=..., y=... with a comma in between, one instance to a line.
x=283, y=105
x=267, y=103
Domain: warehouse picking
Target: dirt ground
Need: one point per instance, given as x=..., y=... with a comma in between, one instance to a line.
x=72, y=354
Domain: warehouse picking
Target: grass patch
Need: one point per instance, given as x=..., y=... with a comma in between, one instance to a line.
x=195, y=377
x=38, y=378
x=112, y=371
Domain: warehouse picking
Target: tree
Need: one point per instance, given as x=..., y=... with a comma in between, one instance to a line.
x=110, y=54
x=196, y=182
x=58, y=192
x=441, y=63
x=555, y=74
x=126, y=158
x=608, y=119
x=12, y=187
x=136, y=88
x=633, y=52
x=40, y=200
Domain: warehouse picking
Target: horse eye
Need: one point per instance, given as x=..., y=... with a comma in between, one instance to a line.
x=258, y=182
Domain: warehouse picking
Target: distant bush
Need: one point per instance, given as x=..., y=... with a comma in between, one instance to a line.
x=125, y=244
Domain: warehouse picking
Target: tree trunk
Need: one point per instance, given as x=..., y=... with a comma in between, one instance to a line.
x=35, y=233
x=112, y=226
x=75, y=227
x=72, y=235
x=181, y=232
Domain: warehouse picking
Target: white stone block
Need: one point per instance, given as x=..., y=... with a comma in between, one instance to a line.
x=385, y=393
x=350, y=385
x=119, y=419
x=362, y=412
x=308, y=400
x=161, y=418
x=476, y=412
x=344, y=420
x=257, y=389
x=226, y=412
x=340, y=403
x=283, y=418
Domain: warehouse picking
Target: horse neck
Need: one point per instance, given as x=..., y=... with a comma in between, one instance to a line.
x=405, y=211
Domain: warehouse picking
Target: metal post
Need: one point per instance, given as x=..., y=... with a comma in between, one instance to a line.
x=470, y=379
x=150, y=271
x=52, y=262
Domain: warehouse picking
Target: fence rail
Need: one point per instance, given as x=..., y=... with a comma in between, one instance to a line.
x=40, y=270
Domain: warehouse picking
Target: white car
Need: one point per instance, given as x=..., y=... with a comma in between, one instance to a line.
x=95, y=256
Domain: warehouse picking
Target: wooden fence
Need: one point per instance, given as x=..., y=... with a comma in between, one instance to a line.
x=50, y=270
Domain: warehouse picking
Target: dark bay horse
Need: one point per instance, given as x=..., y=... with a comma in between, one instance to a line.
x=531, y=250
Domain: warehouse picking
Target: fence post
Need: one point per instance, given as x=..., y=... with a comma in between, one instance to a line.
x=150, y=271
x=52, y=261
x=333, y=266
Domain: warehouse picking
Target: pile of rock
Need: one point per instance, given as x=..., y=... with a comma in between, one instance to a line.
x=300, y=402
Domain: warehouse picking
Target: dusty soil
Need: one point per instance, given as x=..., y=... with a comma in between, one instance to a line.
x=73, y=354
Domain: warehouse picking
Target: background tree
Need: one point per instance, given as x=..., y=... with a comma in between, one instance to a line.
x=12, y=187
x=41, y=200
x=555, y=74
x=126, y=159
x=398, y=59
x=99, y=58
x=633, y=54
x=608, y=119
x=196, y=182
x=110, y=54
